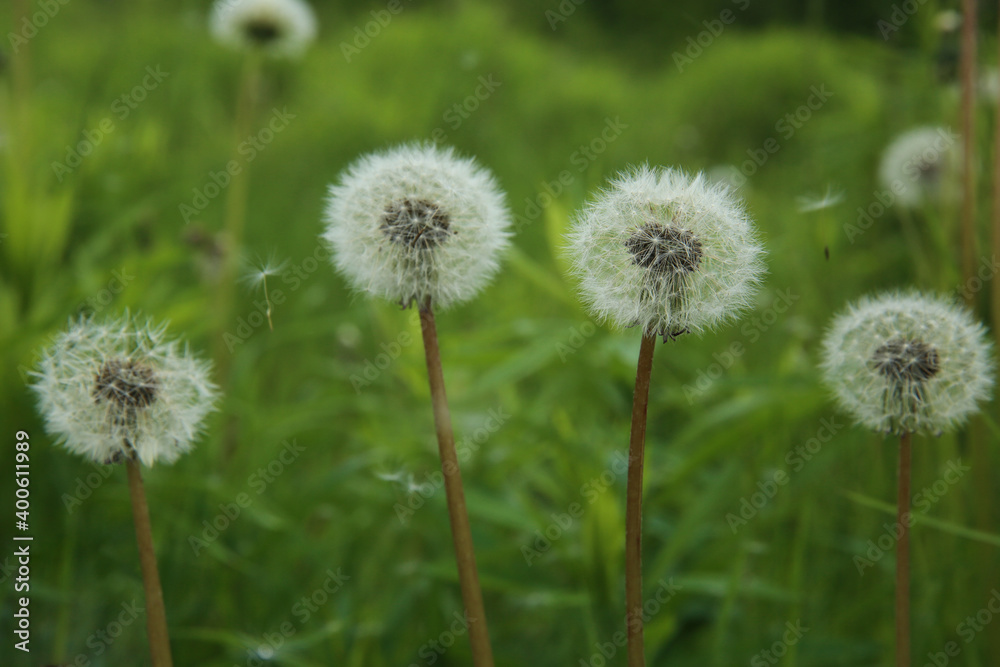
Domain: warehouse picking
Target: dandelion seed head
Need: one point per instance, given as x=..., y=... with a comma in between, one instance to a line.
x=417, y=222
x=920, y=166
x=907, y=362
x=665, y=251
x=120, y=388
x=277, y=28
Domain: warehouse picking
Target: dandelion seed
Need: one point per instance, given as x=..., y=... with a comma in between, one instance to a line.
x=809, y=203
x=120, y=389
x=278, y=28
x=907, y=362
x=665, y=252
x=920, y=166
x=257, y=278
x=417, y=222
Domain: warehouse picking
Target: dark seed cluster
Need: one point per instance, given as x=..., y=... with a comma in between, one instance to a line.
x=665, y=250
x=906, y=360
x=261, y=32
x=416, y=223
x=128, y=383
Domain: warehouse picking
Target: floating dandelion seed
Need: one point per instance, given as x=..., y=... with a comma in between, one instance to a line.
x=417, y=222
x=908, y=363
x=119, y=389
x=279, y=28
x=665, y=252
x=257, y=277
x=920, y=166
x=809, y=203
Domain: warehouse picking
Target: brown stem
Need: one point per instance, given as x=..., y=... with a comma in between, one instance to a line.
x=996, y=219
x=156, y=615
x=968, y=73
x=461, y=532
x=633, y=504
x=903, y=519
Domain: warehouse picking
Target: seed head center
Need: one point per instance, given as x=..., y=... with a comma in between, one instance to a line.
x=904, y=360
x=129, y=384
x=417, y=224
x=665, y=250
x=261, y=31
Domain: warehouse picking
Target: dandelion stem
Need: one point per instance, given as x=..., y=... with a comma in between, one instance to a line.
x=968, y=72
x=633, y=504
x=903, y=555
x=468, y=577
x=156, y=615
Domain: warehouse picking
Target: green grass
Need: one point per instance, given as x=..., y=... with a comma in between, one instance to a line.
x=524, y=348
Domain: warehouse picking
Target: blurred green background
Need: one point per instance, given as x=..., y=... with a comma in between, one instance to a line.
x=109, y=234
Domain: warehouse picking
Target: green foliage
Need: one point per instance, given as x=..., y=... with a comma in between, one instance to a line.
x=558, y=386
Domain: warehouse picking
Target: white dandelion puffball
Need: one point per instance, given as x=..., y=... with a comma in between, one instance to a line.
x=120, y=389
x=921, y=166
x=907, y=362
x=279, y=28
x=666, y=252
x=417, y=222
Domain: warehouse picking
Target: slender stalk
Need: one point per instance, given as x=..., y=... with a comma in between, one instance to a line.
x=461, y=533
x=903, y=555
x=996, y=219
x=633, y=504
x=968, y=73
x=156, y=615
